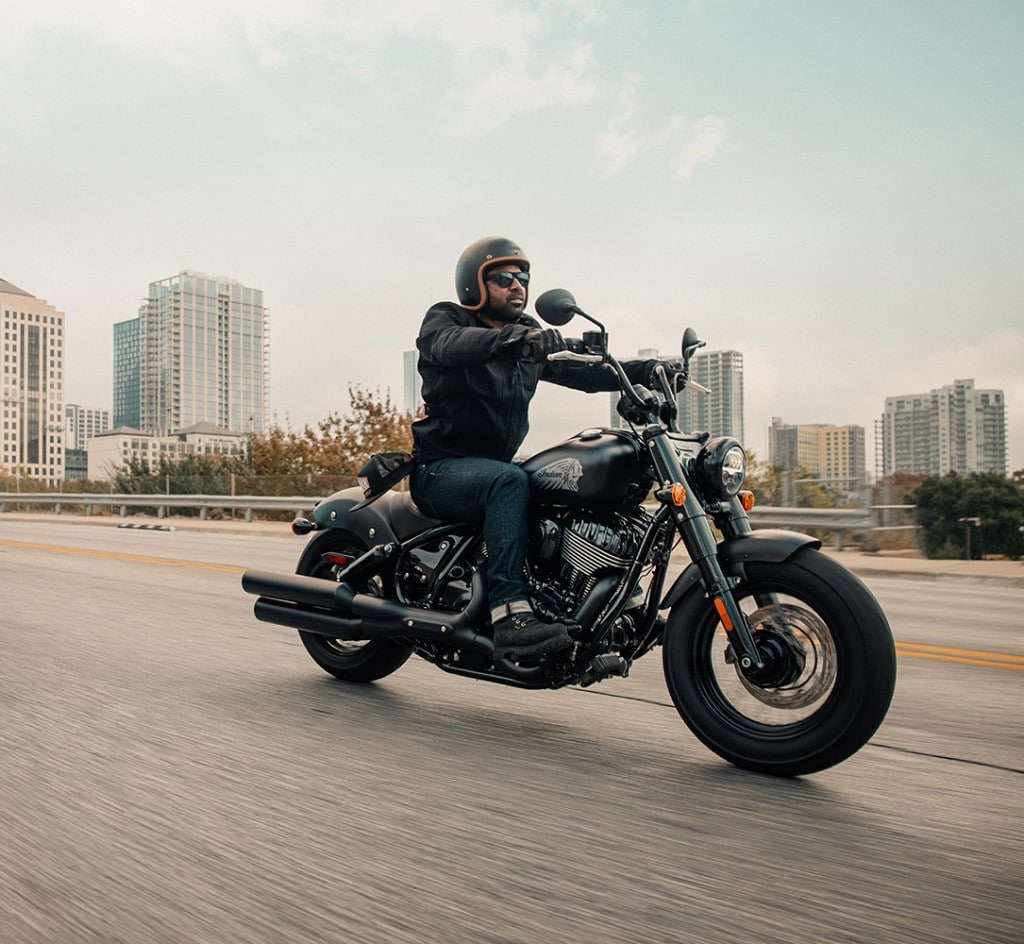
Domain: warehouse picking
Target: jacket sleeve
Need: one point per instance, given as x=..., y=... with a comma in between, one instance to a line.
x=594, y=378
x=452, y=337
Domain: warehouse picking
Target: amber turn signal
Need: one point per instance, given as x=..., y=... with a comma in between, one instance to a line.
x=678, y=494
x=747, y=499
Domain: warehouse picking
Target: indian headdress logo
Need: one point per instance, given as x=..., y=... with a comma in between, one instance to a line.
x=562, y=475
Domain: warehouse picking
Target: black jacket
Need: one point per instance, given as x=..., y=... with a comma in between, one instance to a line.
x=477, y=392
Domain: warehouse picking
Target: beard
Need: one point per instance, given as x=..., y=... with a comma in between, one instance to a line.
x=508, y=312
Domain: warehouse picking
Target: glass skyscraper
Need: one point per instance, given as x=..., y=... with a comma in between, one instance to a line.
x=126, y=373
x=201, y=346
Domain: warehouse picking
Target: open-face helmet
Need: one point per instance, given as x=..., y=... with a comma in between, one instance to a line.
x=473, y=264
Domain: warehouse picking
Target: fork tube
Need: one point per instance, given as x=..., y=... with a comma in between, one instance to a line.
x=692, y=524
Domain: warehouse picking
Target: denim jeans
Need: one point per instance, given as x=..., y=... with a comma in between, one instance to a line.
x=488, y=493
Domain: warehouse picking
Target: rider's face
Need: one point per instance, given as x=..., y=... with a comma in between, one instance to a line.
x=505, y=304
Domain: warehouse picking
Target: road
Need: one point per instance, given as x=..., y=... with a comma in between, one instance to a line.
x=173, y=771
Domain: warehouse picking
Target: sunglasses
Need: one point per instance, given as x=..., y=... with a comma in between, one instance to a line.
x=504, y=279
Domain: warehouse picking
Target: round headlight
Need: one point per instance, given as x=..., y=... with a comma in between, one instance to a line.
x=719, y=468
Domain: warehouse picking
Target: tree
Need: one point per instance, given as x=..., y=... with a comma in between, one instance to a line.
x=338, y=445
x=774, y=487
x=192, y=474
x=997, y=502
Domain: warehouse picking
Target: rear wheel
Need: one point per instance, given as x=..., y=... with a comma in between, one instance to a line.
x=829, y=675
x=348, y=660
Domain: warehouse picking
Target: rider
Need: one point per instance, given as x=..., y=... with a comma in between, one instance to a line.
x=480, y=361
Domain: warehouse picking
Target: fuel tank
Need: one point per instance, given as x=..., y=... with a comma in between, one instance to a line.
x=597, y=468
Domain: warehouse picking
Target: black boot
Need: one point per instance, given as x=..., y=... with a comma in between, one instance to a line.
x=523, y=636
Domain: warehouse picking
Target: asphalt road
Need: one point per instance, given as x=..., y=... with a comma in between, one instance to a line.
x=173, y=771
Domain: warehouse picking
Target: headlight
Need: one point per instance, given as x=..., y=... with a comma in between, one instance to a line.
x=719, y=468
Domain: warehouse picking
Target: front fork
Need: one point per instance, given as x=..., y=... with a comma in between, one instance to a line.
x=693, y=526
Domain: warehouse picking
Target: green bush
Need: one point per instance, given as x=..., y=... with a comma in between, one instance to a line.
x=998, y=503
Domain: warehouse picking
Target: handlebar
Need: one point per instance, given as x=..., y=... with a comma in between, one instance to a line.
x=578, y=358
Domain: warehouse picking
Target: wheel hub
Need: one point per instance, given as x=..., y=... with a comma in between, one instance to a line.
x=798, y=653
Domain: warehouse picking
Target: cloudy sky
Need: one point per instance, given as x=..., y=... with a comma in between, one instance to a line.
x=835, y=188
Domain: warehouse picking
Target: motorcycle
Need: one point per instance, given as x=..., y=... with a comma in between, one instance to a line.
x=776, y=657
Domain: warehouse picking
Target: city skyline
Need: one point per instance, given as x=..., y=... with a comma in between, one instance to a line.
x=836, y=190
x=955, y=427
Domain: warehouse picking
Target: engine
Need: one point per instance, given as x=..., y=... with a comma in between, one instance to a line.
x=568, y=557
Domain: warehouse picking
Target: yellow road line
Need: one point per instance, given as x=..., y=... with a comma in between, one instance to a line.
x=114, y=555
x=1000, y=660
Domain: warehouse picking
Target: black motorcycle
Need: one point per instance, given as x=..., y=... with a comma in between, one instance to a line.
x=776, y=657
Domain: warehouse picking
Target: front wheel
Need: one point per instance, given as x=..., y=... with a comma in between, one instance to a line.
x=830, y=667
x=359, y=661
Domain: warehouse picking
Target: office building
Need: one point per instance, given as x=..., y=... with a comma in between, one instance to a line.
x=719, y=413
x=831, y=456
x=202, y=352
x=82, y=423
x=954, y=428
x=31, y=386
x=126, y=373
x=110, y=452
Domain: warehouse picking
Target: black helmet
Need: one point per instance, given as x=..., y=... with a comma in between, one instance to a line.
x=473, y=264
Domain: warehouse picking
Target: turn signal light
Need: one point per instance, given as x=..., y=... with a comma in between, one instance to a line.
x=747, y=499
x=678, y=494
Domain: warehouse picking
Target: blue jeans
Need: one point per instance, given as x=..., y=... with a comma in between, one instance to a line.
x=488, y=493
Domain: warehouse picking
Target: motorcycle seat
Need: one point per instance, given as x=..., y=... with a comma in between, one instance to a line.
x=406, y=517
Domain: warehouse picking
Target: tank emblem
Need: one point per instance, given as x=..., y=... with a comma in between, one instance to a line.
x=561, y=476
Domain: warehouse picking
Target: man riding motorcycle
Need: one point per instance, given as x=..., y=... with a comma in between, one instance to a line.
x=480, y=361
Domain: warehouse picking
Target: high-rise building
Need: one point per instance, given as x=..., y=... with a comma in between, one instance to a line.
x=413, y=398
x=126, y=373
x=833, y=456
x=32, y=386
x=82, y=423
x=719, y=413
x=954, y=428
x=203, y=356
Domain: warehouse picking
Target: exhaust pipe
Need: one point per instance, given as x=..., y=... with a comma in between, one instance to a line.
x=319, y=606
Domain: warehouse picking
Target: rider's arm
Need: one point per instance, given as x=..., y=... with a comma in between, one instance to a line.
x=452, y=337
x=595, y=378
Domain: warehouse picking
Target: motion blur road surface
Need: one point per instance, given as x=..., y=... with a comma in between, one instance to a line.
x=173, y=771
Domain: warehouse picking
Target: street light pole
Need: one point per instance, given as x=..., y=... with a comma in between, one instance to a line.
x=968, y=523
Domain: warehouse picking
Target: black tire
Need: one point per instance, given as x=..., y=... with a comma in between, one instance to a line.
x=840, y=653
x=362, y=661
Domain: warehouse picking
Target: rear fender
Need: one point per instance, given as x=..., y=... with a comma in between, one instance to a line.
x=393, y=517
x=371, y=522
x=767, y=546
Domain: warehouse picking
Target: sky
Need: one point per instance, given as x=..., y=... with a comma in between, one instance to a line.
x=835, y=189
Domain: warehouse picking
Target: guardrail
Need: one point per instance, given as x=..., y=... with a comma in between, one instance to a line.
x=297, y=504
x=840, y=521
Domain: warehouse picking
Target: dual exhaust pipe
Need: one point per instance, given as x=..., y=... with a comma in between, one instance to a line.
x=314, y=605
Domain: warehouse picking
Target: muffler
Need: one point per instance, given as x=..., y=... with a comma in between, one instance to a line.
x=314, y=605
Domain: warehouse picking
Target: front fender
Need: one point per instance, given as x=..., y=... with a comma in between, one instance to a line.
x=767, y=546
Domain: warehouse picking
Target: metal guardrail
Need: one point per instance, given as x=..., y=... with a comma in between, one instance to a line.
x=840, y=521
x=119, y=503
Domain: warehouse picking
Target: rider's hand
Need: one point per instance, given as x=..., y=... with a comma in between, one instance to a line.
x=538, y=343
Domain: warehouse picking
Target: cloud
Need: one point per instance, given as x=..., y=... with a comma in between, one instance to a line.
x=621, y=145
x=518, y=88
x=701, y=147
x=204, y=35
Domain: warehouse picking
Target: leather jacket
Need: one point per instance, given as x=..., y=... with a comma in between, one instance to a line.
x=476, y=391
